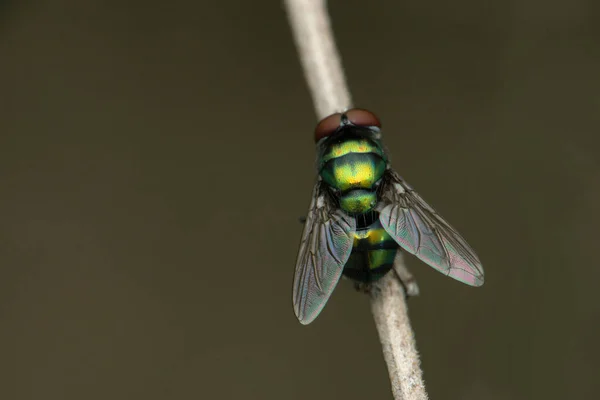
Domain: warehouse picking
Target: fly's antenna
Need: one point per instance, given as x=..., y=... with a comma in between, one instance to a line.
x=344, y=120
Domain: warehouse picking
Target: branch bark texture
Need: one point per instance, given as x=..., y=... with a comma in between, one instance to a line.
x=397, y=339
x=321, y=62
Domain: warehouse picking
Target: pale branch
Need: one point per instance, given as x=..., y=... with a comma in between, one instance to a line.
x=321, y=62
x=319, y=55
x=396, y=335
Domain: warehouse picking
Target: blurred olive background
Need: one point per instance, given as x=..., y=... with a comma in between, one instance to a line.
x=155, y=157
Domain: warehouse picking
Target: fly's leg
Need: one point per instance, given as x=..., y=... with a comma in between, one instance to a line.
x=362, y=287
x=406, y=278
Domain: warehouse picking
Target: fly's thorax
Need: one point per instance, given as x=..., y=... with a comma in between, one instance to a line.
x=351, y=144
x=353, y=169
x=358, y=201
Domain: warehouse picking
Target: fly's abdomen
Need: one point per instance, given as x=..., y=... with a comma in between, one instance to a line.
x=353, y=168
x=373, y=254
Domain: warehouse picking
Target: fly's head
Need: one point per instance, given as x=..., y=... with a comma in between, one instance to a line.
x=355, y=122
x=336, y=128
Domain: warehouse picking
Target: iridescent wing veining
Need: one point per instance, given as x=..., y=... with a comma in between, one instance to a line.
x=421, y=231
x=325, y=247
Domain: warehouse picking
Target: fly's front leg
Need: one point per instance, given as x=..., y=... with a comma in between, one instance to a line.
x=406, y=278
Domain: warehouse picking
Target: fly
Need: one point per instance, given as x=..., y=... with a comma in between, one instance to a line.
x=362, y=213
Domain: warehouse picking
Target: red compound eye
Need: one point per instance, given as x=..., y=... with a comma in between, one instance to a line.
x=361, y=117
x=356, y=116
x=327, y=126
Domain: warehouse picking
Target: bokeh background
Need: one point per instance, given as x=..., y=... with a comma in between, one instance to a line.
x=155, y=157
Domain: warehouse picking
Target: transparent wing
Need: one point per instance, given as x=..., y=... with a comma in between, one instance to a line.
x=324, y=250
x=421, y=231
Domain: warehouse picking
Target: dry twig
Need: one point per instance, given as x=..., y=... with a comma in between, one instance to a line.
x=324, y=74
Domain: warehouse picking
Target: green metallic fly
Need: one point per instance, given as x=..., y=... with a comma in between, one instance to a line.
x=362, y=212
